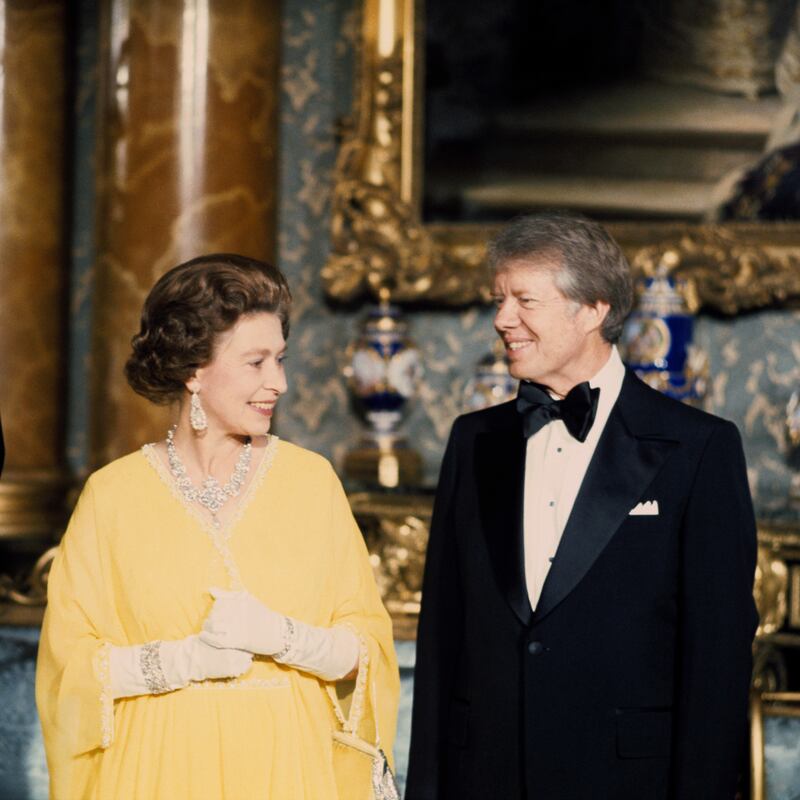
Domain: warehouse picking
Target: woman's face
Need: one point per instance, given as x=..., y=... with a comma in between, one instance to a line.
x=240, y=386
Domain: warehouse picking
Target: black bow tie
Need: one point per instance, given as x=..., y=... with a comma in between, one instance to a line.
x=577, y=409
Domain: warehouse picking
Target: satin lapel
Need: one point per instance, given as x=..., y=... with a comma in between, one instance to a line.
x=620, y=470
x=500, y=476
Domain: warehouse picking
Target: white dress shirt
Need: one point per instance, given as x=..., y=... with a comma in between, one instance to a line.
x=555, y=464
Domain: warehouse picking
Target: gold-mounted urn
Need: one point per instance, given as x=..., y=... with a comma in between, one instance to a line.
x=383, y=370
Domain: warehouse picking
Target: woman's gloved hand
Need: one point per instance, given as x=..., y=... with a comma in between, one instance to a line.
x=158, y=667
x=239, y=620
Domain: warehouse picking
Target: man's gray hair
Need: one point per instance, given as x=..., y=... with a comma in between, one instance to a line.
x=588, y=265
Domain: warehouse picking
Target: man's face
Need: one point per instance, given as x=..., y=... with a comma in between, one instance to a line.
x=547, y=337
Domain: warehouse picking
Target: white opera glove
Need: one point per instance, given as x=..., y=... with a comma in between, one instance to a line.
x=241, y=621
x=158, y=667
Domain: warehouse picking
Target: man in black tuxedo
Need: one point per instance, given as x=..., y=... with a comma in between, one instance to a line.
x=587, y=612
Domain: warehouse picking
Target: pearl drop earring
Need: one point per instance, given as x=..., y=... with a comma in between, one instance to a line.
x=197, y=417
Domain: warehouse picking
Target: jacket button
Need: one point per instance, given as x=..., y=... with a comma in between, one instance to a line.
x=534, y=648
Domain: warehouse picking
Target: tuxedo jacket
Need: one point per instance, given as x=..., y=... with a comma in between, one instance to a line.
x=630, y=680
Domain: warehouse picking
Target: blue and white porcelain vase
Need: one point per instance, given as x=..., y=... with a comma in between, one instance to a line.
x=491, y=382
x=383, y=371
x=657, y=341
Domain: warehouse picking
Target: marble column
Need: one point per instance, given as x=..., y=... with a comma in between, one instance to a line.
x=187, y=166
x=32, y=270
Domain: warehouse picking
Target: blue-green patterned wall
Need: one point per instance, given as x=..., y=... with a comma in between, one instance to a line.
x=755, y=366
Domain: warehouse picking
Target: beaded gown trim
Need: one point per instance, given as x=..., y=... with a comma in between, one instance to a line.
x=240, y=683
x=350, y=724
x=103, y=670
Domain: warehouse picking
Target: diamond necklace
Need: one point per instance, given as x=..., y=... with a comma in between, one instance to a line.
x=210, y=495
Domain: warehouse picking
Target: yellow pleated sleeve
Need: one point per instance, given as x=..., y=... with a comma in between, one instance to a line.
x=72, y=682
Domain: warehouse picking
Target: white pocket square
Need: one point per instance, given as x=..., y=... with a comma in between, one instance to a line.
x=647, y=509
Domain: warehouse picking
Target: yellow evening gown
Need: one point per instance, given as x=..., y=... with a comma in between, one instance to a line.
x=135, y=565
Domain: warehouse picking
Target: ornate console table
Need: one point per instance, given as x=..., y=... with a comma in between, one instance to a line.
x=395, y=526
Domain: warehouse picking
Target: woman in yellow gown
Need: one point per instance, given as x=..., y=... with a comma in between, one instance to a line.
x=212, y=591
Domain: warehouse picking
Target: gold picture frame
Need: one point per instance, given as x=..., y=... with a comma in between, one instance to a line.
x=379, y=240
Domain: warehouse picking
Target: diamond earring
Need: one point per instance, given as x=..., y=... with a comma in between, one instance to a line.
x=197, y=417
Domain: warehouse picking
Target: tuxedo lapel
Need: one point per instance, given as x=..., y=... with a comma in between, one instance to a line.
x=500, y=476
x=622, y=467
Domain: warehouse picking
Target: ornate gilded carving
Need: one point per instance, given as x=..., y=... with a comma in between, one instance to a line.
x=396, y=529
x=794, y=594
x=379, y=239
x=31, y=589
x=376, y=244
x=730, y=269
x=776, y=595
x=771, y=583
x=769, y=668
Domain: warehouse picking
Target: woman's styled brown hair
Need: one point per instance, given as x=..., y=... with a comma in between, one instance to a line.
x=188, y=308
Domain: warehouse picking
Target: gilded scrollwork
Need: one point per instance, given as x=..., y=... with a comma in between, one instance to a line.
x=770, y=591
x=377, y=244
x=730, y=269
x=775, y=592
x=769, y=668
x=396, y=529
x=380, y=241
x=30, y=589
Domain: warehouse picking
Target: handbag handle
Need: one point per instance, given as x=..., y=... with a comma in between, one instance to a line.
x=356, y=742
